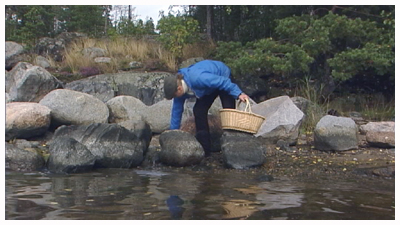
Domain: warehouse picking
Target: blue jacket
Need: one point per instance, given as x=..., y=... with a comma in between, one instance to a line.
x=203, y=78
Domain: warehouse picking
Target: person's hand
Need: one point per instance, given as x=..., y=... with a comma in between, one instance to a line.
x=243, y=97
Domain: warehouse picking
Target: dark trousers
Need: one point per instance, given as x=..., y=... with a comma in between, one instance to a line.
x=200, y=111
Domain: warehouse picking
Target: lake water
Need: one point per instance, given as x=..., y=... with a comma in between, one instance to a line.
x=174, y=193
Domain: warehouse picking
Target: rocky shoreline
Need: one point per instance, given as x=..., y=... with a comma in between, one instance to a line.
x=121, y=121
x=303, y=162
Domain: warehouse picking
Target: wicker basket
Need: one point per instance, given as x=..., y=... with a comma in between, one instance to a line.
x=233, y=119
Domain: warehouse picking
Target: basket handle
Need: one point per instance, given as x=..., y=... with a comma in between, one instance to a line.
x=247, y=108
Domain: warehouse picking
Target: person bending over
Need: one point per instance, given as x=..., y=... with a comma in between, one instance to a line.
x=205, y=80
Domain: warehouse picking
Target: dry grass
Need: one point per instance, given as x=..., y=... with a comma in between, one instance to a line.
x=198, y=49
x=167, y=58
x=74, y=59
x=378, y=109
x=123, y=50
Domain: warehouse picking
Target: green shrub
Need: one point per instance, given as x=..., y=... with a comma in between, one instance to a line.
x=176, y=32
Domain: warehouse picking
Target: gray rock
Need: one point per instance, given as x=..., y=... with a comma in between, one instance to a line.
x=52, y=47
x=26, y=120
x=101, y=89
x=13, y=55
x=135, y=65
x=152, y=157
x=69, y=156
x=141, y=129
x=179, y=148
x=72, y=107
x=379, y=134
x=93, y=52
x=29, y=83
x=158, y=116
x=242, y=150
x=283, y=120
x=148, y=87
x=42, y=62
x=283, y=145
x=18, y=159
x=7, y=98
x=102, y=60
x=124, y=108
x=23, y=144
x=113, y=145
x=336, y=133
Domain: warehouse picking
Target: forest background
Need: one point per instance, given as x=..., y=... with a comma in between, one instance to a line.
x=321, y=52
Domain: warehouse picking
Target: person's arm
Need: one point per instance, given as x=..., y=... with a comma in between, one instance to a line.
x=176, y=113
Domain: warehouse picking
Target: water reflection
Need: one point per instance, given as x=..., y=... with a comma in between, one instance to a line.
x=268, y=195
x=280, y=195
x=174, y=204
x=174, y=194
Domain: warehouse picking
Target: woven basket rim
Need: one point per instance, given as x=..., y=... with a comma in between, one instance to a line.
x=242, y=112
x=231, y=125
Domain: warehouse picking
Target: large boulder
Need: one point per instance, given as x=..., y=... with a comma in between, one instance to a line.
x=141, y=129
x=29, y=83
x=179, y=148
x=124, y=108
x=26, y=120
x=333, y=133
x=14, y=54
x=282, y=122
x=242, y=150
x=113, y=145
x=158, y=116
x=148, y=87
x=379, y=134
x=72, y=107
x=101, y=89
x=67, y=155
x=18, y=159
